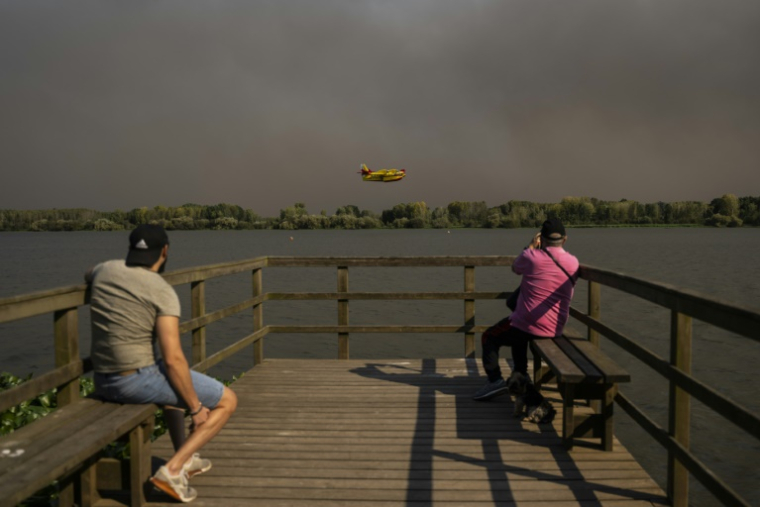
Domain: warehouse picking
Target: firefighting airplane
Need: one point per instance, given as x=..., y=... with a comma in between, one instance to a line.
x=384, y=175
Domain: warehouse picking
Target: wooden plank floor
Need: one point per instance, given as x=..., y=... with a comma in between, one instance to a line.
x=398, y=433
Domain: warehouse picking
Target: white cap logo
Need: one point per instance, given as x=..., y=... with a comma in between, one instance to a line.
x=142, y=245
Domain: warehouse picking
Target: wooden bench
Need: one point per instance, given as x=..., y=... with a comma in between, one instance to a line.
x=66, y=444
x=582, y=371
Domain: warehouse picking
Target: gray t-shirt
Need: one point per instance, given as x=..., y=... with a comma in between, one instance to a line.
x=124, y=305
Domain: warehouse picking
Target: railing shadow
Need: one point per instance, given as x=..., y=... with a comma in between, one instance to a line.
x=490, y=423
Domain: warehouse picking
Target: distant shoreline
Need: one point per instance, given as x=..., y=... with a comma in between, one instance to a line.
x=725, y=211
x=392, y=229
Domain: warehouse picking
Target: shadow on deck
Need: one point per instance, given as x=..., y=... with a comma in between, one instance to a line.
x=399, y=433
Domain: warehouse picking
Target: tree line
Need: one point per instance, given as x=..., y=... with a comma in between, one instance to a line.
x=725, y=211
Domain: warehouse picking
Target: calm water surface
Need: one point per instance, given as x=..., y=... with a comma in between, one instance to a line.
x=718, y=262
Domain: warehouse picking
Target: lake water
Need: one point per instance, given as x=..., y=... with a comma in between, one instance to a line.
x=718, y=262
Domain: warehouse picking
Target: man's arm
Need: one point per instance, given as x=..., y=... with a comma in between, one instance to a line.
x=177, y=369
x=517, y=266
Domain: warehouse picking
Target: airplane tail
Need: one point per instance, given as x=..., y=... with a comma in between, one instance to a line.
x=364, y=169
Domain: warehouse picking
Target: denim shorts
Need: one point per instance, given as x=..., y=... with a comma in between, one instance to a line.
x=151, y=385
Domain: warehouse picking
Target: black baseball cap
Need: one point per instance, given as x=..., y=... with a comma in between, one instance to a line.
x=145, y=245
x=553, y=229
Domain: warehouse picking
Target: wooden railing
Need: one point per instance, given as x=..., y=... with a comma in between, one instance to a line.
x=684, y=306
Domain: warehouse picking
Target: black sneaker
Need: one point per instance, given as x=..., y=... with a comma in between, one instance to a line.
x=491, y=390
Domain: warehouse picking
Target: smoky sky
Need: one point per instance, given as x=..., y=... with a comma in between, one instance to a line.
x=118, y=105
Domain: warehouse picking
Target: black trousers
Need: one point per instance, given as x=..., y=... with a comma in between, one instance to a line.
x=503, y=334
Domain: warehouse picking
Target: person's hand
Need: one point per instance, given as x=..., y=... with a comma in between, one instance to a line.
x=536, y=242
x=199, y=418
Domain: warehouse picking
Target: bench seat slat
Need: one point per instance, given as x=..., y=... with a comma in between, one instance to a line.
x=593, y=375
x=39, y=436
x=611, y=371
x=35, y=471
x=61, y=414
x=563, y=367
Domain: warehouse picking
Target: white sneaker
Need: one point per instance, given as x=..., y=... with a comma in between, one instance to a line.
x=196, y=465
x=175, y=486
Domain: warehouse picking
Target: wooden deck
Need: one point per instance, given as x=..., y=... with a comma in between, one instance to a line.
x=399, y=433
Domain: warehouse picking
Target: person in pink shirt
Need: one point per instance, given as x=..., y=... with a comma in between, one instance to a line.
x=543, y=305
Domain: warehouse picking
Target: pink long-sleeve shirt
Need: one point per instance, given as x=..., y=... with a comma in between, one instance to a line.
x=545, y=292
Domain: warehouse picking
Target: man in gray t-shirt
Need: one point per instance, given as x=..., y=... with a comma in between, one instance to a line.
x=125, y=304
x=135, y=313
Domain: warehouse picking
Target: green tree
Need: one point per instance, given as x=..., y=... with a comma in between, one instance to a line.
x=293, y=213
x=576, y=210
x=138, y=216
x=103, y=224
x=749, y=210
x=727, y=205
x=225, y=223
x=468, y=214
x=183, y=223
x=349, y=209
x=344, y=221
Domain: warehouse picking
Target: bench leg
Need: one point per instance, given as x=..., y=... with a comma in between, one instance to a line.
x=608, y=403
x=140, y=462
x=541, y=374
x=88, y=481
x=568, y=421
x=66, y=493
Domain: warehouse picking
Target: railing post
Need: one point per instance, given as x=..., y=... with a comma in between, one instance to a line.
x=342, y=312
x=198, y=309
x=469, y=311
x=66, y=326
x=258, y=316
x=679, y=417
x=594, y=309
x=67, y=350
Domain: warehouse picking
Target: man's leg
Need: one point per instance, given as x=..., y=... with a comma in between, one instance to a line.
x=491, y=346
x=493, y=340
x=175, y=423
x=518, y=340
x=205, y=432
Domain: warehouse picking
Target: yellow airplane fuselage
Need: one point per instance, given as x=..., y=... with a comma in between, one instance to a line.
x=382, y=175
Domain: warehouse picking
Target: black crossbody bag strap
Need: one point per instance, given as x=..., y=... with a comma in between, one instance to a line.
x=572, y=280
x=512, y=299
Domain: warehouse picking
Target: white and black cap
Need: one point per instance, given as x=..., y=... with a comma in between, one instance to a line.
x=145, y=245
